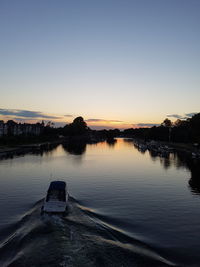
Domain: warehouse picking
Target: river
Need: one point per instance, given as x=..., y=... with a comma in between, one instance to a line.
x=127, y=208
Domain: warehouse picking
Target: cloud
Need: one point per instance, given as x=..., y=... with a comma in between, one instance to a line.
x=122, y=125
x=68, y=115
x=26, y=114
x=24, y=120
x=190, y=114
x=177, y=116
x=101, y=128
x=146, y=124
x=182, y=117
x=102, y=120
x=93, y=120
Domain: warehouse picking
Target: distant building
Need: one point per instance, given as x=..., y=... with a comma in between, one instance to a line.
x=11, y=128
x=3, y=128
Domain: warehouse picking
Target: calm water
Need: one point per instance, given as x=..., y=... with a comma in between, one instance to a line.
x=127, y=208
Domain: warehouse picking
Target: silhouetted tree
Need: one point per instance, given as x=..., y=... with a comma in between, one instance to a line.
x=77, y=127
x=194, y=124
x=166, y=123
x=181, y=131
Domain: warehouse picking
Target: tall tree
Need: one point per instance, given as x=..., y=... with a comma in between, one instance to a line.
x=167, y=123
x=77, y=127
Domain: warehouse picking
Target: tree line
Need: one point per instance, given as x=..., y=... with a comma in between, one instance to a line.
x=183, y=131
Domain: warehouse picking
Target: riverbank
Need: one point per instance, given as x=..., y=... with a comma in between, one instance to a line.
x=39, y=146
x=188, y=148
x=164, y=147
x=10, y=151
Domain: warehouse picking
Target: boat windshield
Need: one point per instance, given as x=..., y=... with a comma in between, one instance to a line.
x=56, y=195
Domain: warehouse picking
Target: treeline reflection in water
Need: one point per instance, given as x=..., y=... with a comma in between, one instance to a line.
x=177, y=159
x=38, y=149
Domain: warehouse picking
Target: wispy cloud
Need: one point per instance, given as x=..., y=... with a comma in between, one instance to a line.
x=68, y=115
x=177, y=116
x=146, y=124
x=30, y=120
x=26, y=114
x=190, y=114
x=103, y=120
x=96, y=127
x=182, y=117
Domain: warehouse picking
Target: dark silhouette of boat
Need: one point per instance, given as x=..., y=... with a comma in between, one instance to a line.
x=56, y=200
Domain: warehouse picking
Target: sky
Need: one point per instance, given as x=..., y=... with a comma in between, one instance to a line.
x=116, y=63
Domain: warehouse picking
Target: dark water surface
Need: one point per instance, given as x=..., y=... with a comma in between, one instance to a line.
x=127, y=208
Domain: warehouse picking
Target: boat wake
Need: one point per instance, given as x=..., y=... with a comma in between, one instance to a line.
x=82, y=238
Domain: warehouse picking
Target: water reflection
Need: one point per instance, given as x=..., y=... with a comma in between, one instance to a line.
x=194, y=166
x=38, y=150
x=47, y=149
x=128, y=140
x=111, y=142
x=177, y=159
x=77, y=147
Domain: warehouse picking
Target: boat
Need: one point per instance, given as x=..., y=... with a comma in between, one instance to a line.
x=56, y=200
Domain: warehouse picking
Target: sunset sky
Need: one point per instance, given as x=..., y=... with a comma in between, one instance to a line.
x=118, y=64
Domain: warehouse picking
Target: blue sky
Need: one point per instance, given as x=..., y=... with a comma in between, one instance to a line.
x=118, y=62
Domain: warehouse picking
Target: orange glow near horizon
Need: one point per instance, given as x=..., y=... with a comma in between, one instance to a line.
x=61, y=120
x=98, y=124
x=109, y=124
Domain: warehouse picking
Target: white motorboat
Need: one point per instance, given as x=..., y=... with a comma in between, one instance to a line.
x=56, y=200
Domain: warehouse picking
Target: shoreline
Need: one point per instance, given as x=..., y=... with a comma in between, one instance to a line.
x=186, y=148
x=7, y=151
x=11, y=150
